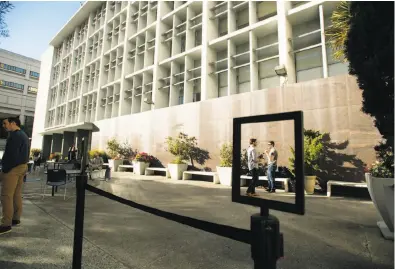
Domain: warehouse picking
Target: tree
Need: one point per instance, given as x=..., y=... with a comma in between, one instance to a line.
x=337, y=32
x=5, y=7
x=185, y=148
x=369, y=48
x=363, y=32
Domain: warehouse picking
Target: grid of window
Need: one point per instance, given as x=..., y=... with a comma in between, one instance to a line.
x=12, y=68
x=34, y=75
x=12, y=85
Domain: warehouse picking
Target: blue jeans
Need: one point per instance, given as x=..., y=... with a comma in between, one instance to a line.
x=271, y=176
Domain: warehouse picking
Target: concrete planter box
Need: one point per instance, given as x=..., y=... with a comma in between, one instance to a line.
x=309, y=184
x=114, y=164
x=225, y=175
x=176, y=170
x=381, y=191
x=139, y=167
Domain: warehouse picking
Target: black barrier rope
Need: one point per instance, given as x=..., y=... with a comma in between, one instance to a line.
x=230, y=232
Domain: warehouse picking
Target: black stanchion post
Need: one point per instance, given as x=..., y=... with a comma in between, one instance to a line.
x=266, y=241
x=81, y=182
x=79, y=221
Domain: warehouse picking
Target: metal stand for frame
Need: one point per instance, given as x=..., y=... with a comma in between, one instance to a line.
x=267, y=242
x=81, y=182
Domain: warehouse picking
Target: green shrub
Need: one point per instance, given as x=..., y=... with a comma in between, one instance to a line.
x=226, y=155
x=186, y=149
x=117, y=150
x=384, y=166
x=93, y=152
x=313, y=152
x=126, y=151
x=113, y=147
x=177, y=160
x=55, y=156
x=34, y=152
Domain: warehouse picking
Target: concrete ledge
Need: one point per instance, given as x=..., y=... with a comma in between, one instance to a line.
x=149, y=171
x=124, y=167
x=342, y=183
x=188, y=175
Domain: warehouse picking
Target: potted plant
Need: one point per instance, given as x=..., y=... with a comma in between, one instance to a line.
x=184, y=148
x=224, y=169
x=113, y=148
x=313, y=153
x=179, y=149
x=177, y=167
x=380, y=181
x=141, y=162
x=55, y=156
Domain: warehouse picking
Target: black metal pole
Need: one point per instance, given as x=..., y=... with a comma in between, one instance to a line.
x=81, y=182
x=79, y=222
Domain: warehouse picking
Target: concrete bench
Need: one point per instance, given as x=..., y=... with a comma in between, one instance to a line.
x=188, y=175
x=124, y=167
x=342, y=183
x=284, y=181
x=150, y=171
x=98, y=174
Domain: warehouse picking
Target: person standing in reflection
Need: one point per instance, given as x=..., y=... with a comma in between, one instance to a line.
x=252, y=166
x=272, y=156
x=72, y=153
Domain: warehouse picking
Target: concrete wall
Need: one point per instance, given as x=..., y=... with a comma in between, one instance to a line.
x=330, y=105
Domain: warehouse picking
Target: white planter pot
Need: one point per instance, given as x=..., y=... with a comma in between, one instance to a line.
x=114, y=164
x=176, y=170
x=382, y=193
x=309, y=184
x=225, y=175
x=139, y=167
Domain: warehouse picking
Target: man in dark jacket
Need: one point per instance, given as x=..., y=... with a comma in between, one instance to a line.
x=14, y=167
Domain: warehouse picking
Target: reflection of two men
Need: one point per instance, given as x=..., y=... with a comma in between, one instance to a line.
x=253, y=160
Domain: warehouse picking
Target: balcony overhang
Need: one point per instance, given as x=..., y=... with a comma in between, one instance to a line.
x=89, y=126
x=79, y=17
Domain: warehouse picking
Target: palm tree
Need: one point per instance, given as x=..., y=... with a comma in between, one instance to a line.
x=338, y=31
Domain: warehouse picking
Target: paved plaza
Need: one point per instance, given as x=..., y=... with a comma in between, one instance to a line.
x=336, y=232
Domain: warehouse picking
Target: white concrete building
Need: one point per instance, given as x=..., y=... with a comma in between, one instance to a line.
x=123, y=64
x=19, y=76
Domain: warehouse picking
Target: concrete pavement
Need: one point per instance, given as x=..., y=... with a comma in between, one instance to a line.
x=335, y=232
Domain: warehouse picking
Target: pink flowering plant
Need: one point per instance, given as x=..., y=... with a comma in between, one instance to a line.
x=143, y=157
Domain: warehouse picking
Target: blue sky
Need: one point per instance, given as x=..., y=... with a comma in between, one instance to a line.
x=33, y=24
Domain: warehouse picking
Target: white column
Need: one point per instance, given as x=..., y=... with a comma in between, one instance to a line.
x=284, y=46
x=208, y=84
x=323, y=45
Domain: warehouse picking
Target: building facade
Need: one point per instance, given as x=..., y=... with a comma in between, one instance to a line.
x=19, y=76
x=143, y=70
